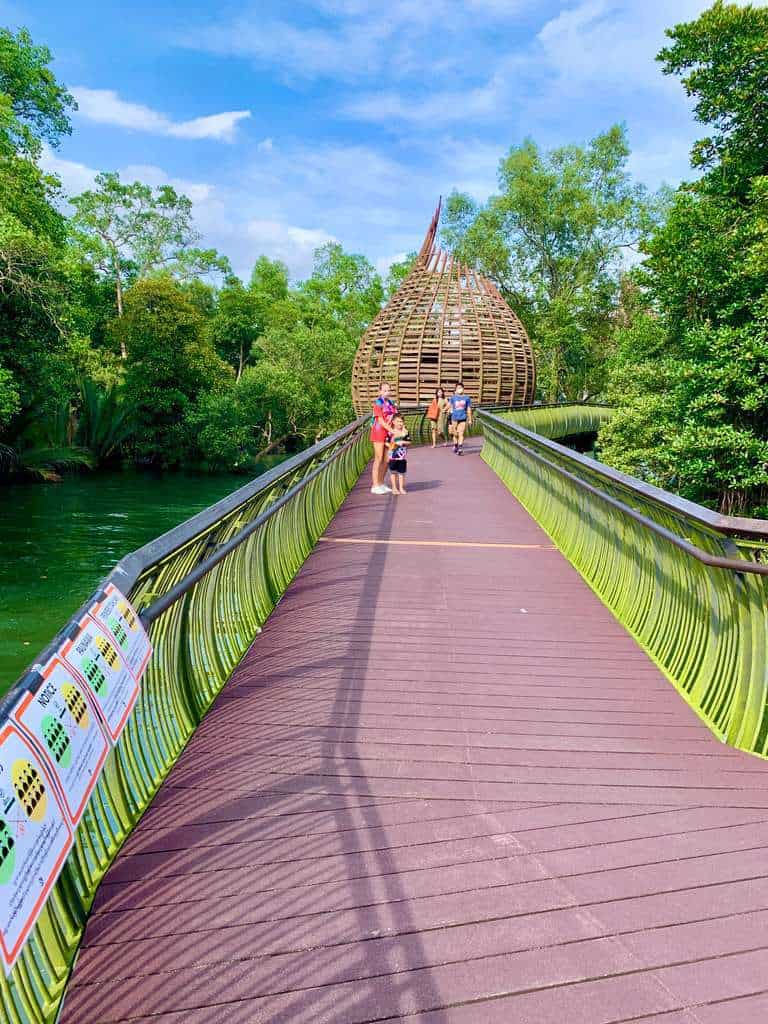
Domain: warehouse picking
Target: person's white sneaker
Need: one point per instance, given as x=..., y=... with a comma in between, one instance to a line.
x=381, y=489
x=374, y=490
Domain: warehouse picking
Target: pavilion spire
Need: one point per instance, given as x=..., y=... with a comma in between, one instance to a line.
x=428, y=244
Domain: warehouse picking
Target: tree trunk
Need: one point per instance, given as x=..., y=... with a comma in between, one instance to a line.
x=240, y=365
x=554, y=384
x=272, y=446
x=119, y=297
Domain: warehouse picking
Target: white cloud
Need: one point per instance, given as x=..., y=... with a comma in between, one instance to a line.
x=350, y=39
x=266, y=146
x=593, y=51
x=438, y=107
x=104, y=106
x=78, y=177
x=611, y=43
x=197, y=191
x=663, y=160
x=287, y=242
x=75, y=177
x=226, y=218
x=383, y=263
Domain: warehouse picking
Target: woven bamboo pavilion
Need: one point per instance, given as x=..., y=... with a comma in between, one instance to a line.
x=445, y=323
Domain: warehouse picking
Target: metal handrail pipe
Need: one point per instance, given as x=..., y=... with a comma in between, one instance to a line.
x=156, y=609
x=716, y=561
x=128, y=569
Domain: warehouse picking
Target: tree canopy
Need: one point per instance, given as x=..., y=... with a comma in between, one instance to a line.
x=554, y=240
x=34, y=107
x=690, y=378
x=721, y=59
x=131, y=230
x=121, y=337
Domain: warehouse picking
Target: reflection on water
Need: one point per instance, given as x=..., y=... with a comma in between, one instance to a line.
x=58, y=540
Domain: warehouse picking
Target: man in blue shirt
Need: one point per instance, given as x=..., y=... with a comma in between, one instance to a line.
x=461, y=414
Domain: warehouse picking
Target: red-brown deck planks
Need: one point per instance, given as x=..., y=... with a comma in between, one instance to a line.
x=444, y=785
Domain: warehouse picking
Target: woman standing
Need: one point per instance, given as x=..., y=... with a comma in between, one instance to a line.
x=441, y=406
x=383, y=411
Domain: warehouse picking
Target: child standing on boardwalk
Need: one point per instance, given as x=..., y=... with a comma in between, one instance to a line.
x=398, y=454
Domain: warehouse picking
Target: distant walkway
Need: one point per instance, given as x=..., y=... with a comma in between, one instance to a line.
x=444, y=785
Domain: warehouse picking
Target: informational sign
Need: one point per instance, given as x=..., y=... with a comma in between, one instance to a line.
x=115, y=614
x=35, y=839
x=59, y=718
x=101, y=667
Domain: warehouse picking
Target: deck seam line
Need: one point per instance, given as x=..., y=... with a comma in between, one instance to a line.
x=503, y=917
x=511, y=994
x=469, y=924
x=453, y=892
x=398, y=542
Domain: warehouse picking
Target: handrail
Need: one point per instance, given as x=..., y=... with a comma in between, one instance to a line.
x=156, y=609
x=717, y=562
x=137, y=561
x=658, y=562
x=590, y=413
x=731, y=525
x=128, y=570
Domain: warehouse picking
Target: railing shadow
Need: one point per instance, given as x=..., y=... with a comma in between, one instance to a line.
x=379, y=889
x=322, y=928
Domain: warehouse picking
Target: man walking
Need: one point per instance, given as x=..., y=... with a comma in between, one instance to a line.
x=461, y=414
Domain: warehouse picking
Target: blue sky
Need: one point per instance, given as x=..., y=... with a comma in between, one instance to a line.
x=293, y=123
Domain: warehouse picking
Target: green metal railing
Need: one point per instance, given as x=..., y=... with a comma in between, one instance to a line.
x=557, y=421
x=688, y=583
x=203, y=590
x=554, y=421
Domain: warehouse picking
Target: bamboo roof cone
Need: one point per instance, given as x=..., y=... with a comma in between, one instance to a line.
x=445, y=323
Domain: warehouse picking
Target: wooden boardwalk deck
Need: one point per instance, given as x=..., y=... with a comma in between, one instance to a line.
x=444, y=785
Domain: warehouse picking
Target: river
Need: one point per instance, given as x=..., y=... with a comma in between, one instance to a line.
x=58, y=540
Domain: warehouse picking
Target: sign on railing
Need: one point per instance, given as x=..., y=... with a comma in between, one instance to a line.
x=35, y=839
x=53, y=749
x=59, y=719
x=114, y=613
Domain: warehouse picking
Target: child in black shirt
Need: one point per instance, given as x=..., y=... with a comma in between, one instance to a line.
x=398, y=454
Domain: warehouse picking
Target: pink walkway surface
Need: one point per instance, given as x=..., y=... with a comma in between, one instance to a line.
x=444, y=785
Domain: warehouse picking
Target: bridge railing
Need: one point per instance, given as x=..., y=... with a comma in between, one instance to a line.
x=688, y=583
x=559, y=420
x=203, y=590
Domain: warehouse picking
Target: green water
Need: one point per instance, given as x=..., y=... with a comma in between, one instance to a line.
x=58, y=540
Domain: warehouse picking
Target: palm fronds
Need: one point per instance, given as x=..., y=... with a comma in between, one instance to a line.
x=43, y=463
x=105, y=420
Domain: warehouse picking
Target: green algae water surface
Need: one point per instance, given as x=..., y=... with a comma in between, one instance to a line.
x=58, y=540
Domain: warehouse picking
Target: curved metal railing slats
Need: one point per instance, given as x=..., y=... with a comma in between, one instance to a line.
x=703, y=624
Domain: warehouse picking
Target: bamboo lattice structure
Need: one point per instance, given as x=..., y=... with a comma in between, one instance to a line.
x=445, y=323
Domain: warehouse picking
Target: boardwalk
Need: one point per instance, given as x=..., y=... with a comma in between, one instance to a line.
x=444, y=785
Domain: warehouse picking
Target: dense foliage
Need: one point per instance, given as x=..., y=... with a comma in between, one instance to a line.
x=120, y=338
x=690, y=377
x=554, y=239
